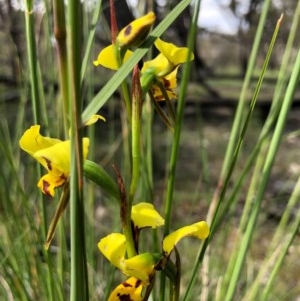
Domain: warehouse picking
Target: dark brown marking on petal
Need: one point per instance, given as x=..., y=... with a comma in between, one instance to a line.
x=64, y=177
x=46, y=186
x=48, y=163
x=126, y=284
x=124, y=297
x=167, y=83
x=138, y=283
x=128, y=30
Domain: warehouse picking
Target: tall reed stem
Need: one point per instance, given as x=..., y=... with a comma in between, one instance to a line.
x=61, y=45
x=79, y=281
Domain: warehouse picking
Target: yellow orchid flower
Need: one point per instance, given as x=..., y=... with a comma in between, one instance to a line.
x=131, y=35
x=130, y=290
x=145, y=215
x=157, y=66
x=107, y=58
x=140, y=266
x=136, y=31
x=53, y=154
x=113, y=247
x=94, y=119
x=163, y=68
x=199, y=230
x=169, y=82
x=175, y=55
x=169, y=58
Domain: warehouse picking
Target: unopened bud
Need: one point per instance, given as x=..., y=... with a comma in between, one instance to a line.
x=136, y=32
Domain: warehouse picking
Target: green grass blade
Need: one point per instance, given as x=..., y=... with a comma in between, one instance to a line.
x=274, y=145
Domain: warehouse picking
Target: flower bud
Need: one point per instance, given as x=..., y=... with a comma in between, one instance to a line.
x=135, y=32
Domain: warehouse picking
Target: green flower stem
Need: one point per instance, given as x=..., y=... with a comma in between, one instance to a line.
x=136, y=133
x=60, y=209
x=135, y=156
x=147, y=80
x=161, y=113
x=147, y=126
x=177, y=132
x=127, y=100
x=167, y=100
x=119, y=54
x=61, y=42
x=79, y=281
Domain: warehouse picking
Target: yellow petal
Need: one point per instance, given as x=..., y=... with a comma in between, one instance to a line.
x=160, y=66
x=53, y=154
x=136, y=31
x=175, y=55
x=113, y=247
x=159, y=96
x=130, y=290
x=107, y=58
x=199, y=230
x=32, y=141
x=169, y=82
x=94, y=119
x=49, y=182
x=144, y=215
x=140, y=266
x=56, y=159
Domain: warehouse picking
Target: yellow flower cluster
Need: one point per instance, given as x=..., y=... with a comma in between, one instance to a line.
x=142, y=266
x=162, y=68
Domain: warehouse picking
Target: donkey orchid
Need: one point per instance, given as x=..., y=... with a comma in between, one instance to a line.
x=113, y=247
x=199, y=230
x=53, y=154
x=163, y=68
x=144, y=215
x=133, y=34
x=143, y=266
x=130, y=290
